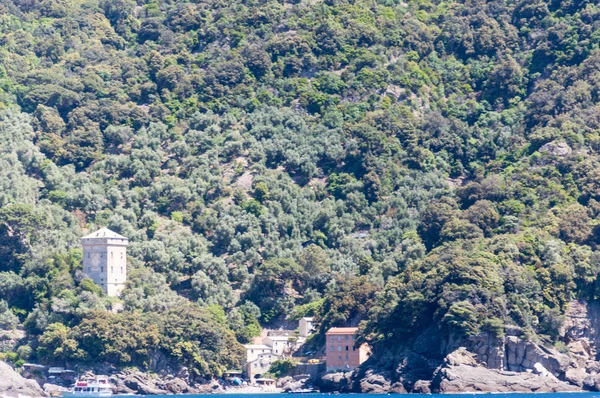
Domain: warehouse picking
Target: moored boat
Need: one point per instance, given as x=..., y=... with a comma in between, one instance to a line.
x=92, y=387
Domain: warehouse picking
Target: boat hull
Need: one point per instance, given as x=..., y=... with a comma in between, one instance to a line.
x=83, y=394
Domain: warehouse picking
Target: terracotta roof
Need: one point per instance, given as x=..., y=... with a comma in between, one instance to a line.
x=103, y=233
x=342, y=331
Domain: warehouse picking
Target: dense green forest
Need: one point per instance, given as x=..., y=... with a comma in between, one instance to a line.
x=376, y=161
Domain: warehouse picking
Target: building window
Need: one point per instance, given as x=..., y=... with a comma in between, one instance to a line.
x=101, y=269
x=339, y=357
x=101, y=279
x=252, y=351
x=121, y=269
x=353, y=348
x=346, y=357
x=330, y=348
x=339, y=338
x=331, y=338
x=346, y=348
x=101, y=255
x=89, y=269
x=89, y=254
x=112, y=270
x=339, y=348
x=121, y=255
x=347, y=337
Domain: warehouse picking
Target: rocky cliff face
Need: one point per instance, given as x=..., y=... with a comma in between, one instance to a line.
x=13, y=384
x=485, y=363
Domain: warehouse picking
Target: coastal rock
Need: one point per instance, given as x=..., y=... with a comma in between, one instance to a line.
x=119, y=387
x=293, y=383
x=521, y=356
x=375, y=383
x=176, y=386
x=592, y=383
x=461, y=373
x=54, y=390
x=422, y=387
x=13, y=384
x=576, y=376
x=334, y=381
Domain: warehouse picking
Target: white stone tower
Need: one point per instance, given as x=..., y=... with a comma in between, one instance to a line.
x=105, y=260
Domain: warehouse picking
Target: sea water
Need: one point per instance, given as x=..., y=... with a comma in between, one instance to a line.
x=337, y=395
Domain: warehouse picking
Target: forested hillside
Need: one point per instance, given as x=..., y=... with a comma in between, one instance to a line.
x=379, y=160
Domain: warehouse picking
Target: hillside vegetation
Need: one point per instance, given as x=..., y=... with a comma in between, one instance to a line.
x=383, y=161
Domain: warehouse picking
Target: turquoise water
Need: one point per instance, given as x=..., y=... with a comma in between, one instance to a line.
x=316, y=395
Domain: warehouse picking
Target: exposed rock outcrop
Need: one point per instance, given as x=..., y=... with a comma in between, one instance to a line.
x=462, y=373
x=334, y=382
x=434, y=362
x=294, y=383
x=136, y=382
x=13, y=384
x=556, y=148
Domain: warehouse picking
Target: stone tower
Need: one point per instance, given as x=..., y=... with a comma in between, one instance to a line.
x=105, y=260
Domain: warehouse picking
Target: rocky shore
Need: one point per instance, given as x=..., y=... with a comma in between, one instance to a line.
x=431, y=363
x=13, y=384
x=434, y=363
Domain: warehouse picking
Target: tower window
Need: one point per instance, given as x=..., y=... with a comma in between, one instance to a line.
x=101, y=269
x=112, y=270
x=111, y=254
x=121, y=255
x=121, y=269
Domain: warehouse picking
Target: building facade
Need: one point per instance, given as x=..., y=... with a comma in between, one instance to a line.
x=341, y=352
x=259, y=366
x=254, y=350
x=105, y=260
x=281, y=345
x=305, y=326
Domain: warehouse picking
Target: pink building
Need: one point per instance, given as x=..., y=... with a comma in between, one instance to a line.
x=341, y=353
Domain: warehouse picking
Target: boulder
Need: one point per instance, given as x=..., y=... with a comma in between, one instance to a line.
x=54, y=390
x=522, y=355
x=576, y=376
x=422, y=387
x=13, y=384
x=592, y=383
x=333, y=381
x=375, y=382
x=290, y=383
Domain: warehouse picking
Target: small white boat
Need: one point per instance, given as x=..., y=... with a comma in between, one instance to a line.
x=93, y=387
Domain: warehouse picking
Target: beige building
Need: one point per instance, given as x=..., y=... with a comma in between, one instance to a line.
x=305, y=326
x=341, y=352
x=254, y=350
x=257, y=367
x=105, y=260
x=281, y=345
